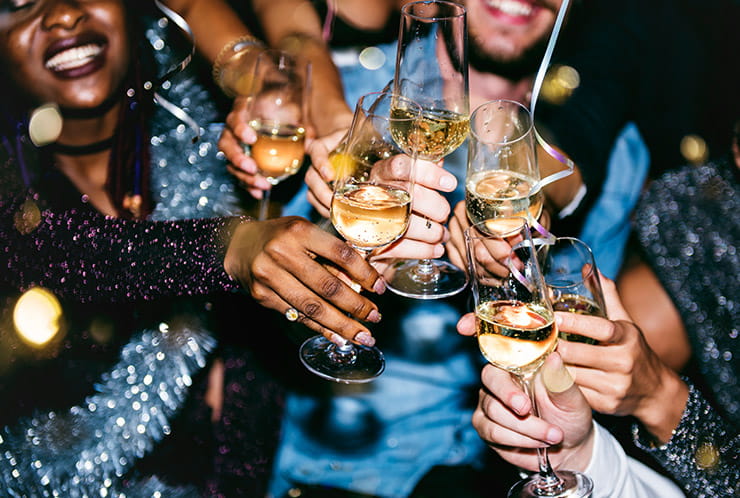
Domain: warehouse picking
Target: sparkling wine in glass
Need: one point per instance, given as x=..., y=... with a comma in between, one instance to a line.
x=277, y=112
x=502, y=176
x=432, y=69
x=516, y=329
x=370, y=209
x=571, y=275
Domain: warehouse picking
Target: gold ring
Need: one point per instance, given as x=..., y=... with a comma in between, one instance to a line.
x=291, y=314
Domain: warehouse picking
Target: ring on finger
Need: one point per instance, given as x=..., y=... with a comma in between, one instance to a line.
x=291, y=314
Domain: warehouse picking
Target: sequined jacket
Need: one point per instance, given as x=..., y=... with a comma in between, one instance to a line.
x=688, y=227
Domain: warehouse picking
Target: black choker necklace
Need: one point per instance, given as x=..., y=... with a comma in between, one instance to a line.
x=82, y=150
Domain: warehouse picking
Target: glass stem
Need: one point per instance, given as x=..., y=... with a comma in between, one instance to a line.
x=264, y=204
x=547, y=481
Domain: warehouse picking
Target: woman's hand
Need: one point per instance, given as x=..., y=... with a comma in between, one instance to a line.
x=236, y=133
x=621, y=375
x=290, y=263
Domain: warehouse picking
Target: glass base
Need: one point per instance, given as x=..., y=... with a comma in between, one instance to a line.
x=355, y=364
x=425, y=279
x=575, y=485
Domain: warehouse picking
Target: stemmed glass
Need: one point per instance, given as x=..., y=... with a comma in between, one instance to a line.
x=570, y=272
x=278, y=111
x=370, y=208
x=432, y=69
x=515, y=327
x=502, y=176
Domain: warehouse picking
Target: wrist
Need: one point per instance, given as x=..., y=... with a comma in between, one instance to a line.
x=579, y=457
x=661, y=414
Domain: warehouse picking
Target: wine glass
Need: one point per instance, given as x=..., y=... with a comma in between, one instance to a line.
x=570, y=272
x=278, y=111
x=515, y=327
x=370, y=208
x=502, y=177
x=432, y=69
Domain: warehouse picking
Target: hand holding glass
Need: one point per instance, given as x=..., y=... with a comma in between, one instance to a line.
x=515, y=327
x=370, y=208
x=277, y=111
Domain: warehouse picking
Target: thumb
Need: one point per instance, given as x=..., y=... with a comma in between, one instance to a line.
x=613, y=303
x=560, y=385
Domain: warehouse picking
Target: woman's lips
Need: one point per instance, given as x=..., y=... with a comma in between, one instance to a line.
x=513, y=10
x=76, y=57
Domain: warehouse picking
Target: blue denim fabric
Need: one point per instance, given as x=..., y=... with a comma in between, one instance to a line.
x=607, y=225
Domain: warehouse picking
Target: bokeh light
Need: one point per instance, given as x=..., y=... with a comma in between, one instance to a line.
x=45, y=125
x=694, y=149
x=559, y=84
x=37, y=316
x=372, y=58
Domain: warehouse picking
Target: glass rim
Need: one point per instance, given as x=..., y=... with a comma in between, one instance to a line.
x=406, y=10
x=520, y=137
x=417, y=109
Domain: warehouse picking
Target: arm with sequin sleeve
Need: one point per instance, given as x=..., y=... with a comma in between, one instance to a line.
x=90, y=257
x=703, y=454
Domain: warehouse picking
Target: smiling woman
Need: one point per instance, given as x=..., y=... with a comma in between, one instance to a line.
x=85, y=403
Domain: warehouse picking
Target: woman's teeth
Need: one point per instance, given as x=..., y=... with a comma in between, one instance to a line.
x=73, y=57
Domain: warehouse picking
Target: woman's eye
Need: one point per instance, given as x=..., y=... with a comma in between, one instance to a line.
x=15, y=5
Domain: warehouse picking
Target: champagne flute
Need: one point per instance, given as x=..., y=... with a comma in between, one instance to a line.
x=515, y=327
x=502, y=176
x=277, y=111
x=432, y=69
x=570, y=272
x=371, y=209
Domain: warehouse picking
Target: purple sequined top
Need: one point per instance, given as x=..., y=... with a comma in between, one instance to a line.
x=90, y=257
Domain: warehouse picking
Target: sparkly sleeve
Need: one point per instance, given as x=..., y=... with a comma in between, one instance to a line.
x=91, y=257
x=703, y=454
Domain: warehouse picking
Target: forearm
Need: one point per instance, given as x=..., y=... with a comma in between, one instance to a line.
x=91, y=258
x=293, y=25
x=202, y=16
x=702, y=453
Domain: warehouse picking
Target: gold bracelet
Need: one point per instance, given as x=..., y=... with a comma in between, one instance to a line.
x=234, y=46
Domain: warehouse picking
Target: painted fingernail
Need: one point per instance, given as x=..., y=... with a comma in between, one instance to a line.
x=365, y=339
x=379, y=286
x=374, y=316
x=556, y=377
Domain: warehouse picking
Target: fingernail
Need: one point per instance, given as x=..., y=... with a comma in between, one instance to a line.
x=379, y=286
x=365, y=339
x=447, y=182
x=439, y=250
x=553, y=436
x=556, y=377
x=374, y=316
x=518, y=403
x=558, y=319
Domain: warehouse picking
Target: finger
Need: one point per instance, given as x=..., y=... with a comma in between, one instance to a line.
x=594, y=327
x=285, y=288
x=234, y=152
x=499, y=426
x=613, y=303
x=318, y=188
x=466, y=324
x=236, y=121
x=430, y=204
x=320, y=208
x=409, y=249
x=254, y=184
x=502, y=385
x=425, y=230
x=432, y=176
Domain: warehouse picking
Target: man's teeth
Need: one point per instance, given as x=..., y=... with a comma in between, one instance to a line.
x=511, y=7
x=73, y=57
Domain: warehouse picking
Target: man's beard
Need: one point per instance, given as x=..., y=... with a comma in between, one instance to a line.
x=514, y=69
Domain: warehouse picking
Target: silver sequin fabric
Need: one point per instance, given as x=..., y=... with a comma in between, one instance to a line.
x=688, y=227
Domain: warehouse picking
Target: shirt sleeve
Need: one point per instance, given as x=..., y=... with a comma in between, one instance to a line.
x=616, y=475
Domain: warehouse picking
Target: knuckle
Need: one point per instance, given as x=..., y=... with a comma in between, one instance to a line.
x=312, y=309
